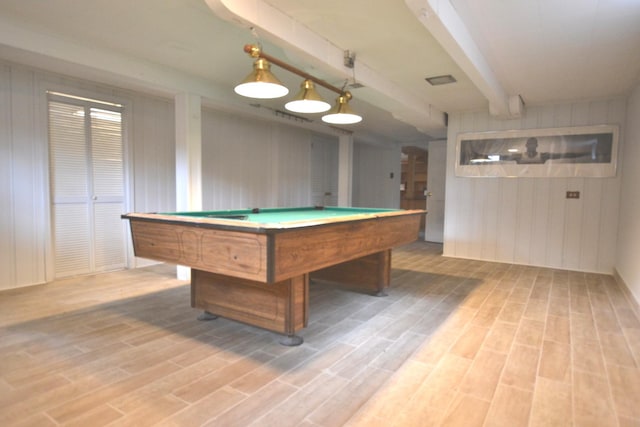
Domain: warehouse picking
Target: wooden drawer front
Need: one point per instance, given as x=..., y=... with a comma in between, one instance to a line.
x=218, y=251
x=311, y=249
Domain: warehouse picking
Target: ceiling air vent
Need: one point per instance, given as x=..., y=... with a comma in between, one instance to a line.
x=441, y=80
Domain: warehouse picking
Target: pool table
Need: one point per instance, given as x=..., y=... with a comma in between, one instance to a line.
x=254, y=265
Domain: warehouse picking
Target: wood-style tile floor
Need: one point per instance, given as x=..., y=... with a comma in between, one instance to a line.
x=456, y=343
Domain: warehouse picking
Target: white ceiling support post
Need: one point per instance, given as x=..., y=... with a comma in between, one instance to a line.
x=188, y=121
x=345, y=169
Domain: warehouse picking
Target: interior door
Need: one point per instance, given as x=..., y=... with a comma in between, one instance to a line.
x=324, y=171
x=436, y=175
x=87, y=187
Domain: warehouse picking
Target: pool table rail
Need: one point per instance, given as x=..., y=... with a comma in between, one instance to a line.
x=264, y=254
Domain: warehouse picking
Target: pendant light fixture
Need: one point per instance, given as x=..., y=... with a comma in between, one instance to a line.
x=308, y=100
x=342, y=113
x=262, y=84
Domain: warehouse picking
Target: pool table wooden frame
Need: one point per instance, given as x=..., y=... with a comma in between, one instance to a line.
x=259, y=273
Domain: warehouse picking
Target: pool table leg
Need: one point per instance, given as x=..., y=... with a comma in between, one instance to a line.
x=383, y=272
x=281, y=307
x=371, y=273
x=291, y=340
x=205, y=315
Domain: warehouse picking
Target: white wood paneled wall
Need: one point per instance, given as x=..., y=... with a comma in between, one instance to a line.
x=151, y=129
x=23, y=184
x=253, y=163
x=153, y=145
x=528, y=220
x=24, y=178
x=628, y=247
x=7, y=245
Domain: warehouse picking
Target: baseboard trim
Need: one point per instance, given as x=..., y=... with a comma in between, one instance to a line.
x=633, y=302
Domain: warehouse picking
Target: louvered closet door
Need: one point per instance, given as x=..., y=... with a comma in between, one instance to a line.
x=87, y=188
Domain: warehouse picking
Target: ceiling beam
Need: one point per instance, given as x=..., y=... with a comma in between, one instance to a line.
x=443, y=22
x=291, y=35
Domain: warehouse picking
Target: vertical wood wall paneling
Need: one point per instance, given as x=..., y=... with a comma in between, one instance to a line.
x=273, y=142
x=529, y=220
x=615, y=113
x=317, y=172
x=591, y=195
x=507, y=218
x=609, y=205
x=253, y=163
x=236, y=162
x=153, y=140
x=152, y=132
x=524, y=221
x=7, y=240
x=490, y=224
x=28, y=209
x=628, y=244
x=556, y=223
x=293, y=174
x=331, y=167
x=540, y=222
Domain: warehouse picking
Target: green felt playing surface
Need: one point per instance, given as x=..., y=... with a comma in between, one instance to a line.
x=280, y=215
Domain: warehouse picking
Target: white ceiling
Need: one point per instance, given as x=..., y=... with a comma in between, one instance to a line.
x=544, y=51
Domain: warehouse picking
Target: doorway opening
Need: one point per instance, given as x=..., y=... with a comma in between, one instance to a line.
x=413, y=180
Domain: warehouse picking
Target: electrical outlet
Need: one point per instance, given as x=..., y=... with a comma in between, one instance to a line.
x=573, y=194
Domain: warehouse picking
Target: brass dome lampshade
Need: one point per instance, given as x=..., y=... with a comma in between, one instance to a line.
x=342, y=113
x=308, y=100
x=261, y=83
